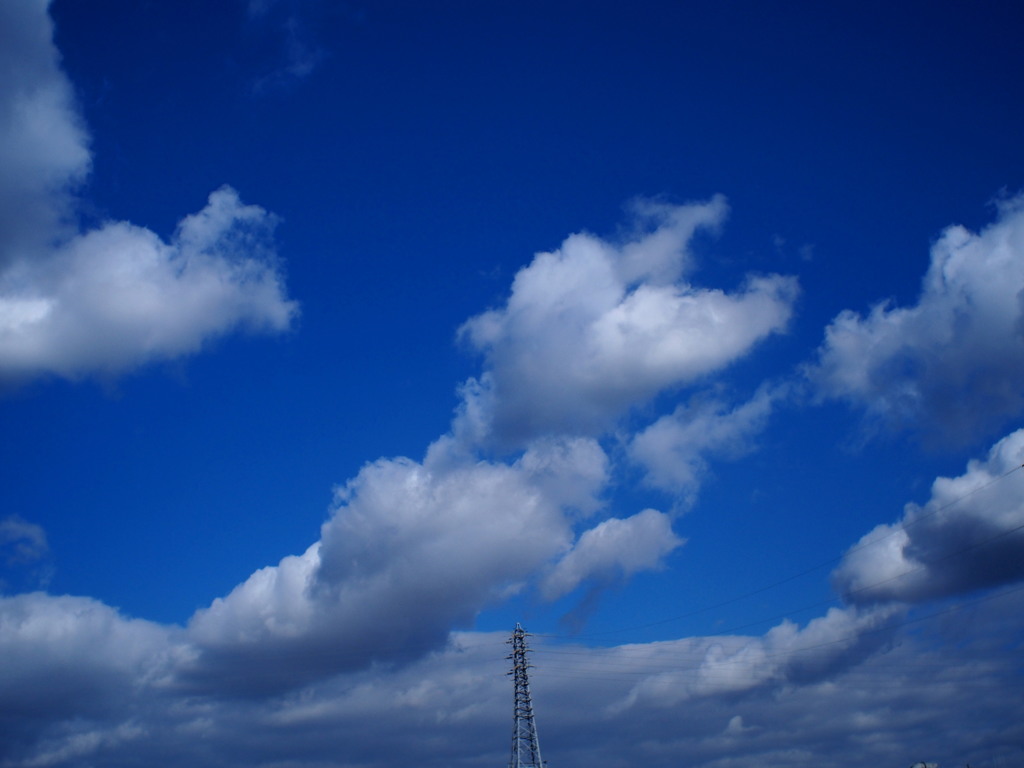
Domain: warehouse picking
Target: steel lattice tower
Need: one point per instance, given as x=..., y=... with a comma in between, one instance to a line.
x=525, y=747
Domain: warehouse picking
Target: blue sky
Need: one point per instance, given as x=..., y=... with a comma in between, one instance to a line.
x=335, y=339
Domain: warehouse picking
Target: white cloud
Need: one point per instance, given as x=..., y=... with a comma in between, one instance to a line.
x=953, y=363
x=847, y=682
x=82, y=744
x=966, y=537
x=43, y=144
x=411, y=549
x=596, y=327
x=118, y=296
x=786, y=654
x=74, y=656
x=110, y=299
x=615, y=548
x=674, y=449
x=288, y=29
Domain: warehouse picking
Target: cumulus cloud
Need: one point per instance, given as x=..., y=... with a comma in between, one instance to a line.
x=107, y=300
x=969, y=535
x=117, y=297
x=410, y=549
x=819, y=687
x=596, y=327
x=953, y=363
x=43, y=143
x=614, y=548
x=674, y=449
x=72, y=658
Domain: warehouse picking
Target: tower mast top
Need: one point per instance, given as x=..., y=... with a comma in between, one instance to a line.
x=525, y=747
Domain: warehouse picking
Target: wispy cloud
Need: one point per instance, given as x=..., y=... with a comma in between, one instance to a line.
x=21, y=542
x=674, y=451
x=25, y=558
x=291, y=28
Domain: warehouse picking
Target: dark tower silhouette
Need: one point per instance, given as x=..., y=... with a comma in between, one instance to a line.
x=525, y=747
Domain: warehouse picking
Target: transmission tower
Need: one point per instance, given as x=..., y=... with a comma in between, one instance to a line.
x=525, y=747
